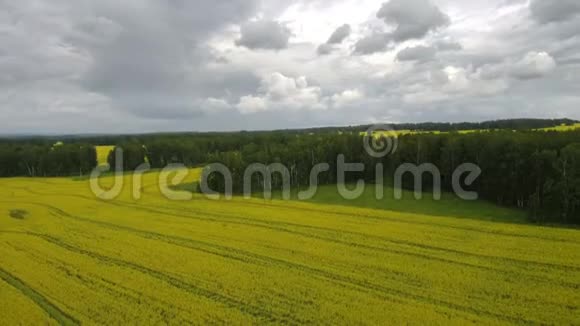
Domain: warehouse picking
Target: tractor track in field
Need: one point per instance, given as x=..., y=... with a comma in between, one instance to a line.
x=232, y=303
x=42, y=302
x=95, y=283
x=385, y=293
x=382, y=292
x=115, y=290
x=258, y=222
x=202, y=215
x=276, y=226
x=341, y=273
x=111, y=288
x=403, y=221
x=279, y=226
x=365, y=216
x=219, y=218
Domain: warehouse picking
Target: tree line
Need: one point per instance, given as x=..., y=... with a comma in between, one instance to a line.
x=41, y=159
x=533, y=170
x=537, y=171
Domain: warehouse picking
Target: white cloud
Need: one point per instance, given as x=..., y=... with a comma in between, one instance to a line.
x=278, y=86
x=346, y=98
x=534, y=65
x=214, y=105
x=279, y=92
x=251, y=104
x=467, y=82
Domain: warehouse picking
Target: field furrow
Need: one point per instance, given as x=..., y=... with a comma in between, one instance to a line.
x=254, y=261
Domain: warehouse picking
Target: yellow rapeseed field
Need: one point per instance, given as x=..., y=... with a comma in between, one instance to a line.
x=563, y=128
x=103, y=154
x=67, y=257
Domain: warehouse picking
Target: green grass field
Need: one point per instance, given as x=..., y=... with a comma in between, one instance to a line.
x=68, y=258
x=449, y=205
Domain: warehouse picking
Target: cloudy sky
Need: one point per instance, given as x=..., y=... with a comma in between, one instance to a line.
x=142, y=66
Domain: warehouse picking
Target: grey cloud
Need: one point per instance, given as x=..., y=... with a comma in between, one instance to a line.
x=533, y=65
x=492, y=71
x=438, y=77
x=548, y=11
x=324, y=49
x=156, y=66
x=91, y=66
x=376, y=42
x=339, y=35
x=413, y=18
x=448, y=46
x=148, y=60
x=264, y=34
x=417, y=53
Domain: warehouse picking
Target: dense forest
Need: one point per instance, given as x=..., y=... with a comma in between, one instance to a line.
x=534, y=170
x=537, y=171
x=42, y=159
